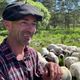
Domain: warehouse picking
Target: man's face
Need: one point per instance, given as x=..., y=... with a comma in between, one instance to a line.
x=23, y=30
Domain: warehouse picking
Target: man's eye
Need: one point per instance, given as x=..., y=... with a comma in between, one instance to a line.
x=34, y=23
x=24, y=23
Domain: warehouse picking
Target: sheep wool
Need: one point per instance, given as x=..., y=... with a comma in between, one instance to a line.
x=42, y=60
x=66, y=74
x=70, y=60
x=75, y=70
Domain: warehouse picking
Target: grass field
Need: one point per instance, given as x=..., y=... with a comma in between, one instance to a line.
x=45, y=37
x=57, y=36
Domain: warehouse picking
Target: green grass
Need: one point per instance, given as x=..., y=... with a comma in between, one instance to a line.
x=56, y=36
x=59, y=36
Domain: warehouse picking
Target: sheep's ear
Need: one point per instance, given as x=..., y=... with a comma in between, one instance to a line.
x=7, y=24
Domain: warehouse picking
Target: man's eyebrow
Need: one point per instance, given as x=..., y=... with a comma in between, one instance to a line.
x=27, y=19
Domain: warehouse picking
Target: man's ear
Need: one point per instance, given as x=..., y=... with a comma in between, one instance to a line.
x=7, y=24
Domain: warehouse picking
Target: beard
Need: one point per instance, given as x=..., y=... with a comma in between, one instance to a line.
x=24, y=39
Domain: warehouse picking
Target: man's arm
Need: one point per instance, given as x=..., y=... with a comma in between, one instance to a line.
x=52, y=71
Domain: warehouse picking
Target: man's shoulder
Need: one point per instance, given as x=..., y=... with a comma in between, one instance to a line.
x=31, y=49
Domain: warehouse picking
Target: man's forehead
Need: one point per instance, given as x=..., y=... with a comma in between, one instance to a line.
x=30, y=17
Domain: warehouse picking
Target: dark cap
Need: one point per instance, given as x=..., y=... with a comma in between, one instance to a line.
x=18, y=10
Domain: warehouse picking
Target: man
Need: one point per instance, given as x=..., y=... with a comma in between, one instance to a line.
x=18, y=61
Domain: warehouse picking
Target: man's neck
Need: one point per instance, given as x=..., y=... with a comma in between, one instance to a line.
x=17, y=49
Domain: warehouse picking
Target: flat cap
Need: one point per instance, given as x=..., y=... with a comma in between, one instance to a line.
x=18, y=10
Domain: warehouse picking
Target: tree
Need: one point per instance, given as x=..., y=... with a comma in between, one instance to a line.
x=2, y=5
x=67, y=8
x=44, y=10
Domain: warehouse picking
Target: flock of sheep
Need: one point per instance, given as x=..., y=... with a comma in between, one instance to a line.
x=68, y=57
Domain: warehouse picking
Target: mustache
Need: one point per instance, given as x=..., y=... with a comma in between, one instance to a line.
x=28, y=33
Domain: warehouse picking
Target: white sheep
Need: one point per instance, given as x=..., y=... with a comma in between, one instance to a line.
x=44, y=51
x=41, y=59
x=72, y=48
x=52, y=57
x=56, y=48
x=75, y=70
x=70, y=60
x=78, y=49
x=62, y=46
x=67, y=53
x=76, y=54
x=66, y=74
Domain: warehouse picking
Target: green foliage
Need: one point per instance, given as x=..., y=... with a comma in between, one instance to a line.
x=56, y=36
x=2, y=1
x=43, y=9
x=2, y=5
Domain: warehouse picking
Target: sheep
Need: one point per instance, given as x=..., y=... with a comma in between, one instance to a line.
x=78, y=49
x=61, y=59
x=56, y=48
x=70, y=60
x=67, y=53
x=44, y=51
x=76, y=54
x=52, y=57
x=62, y=46
x=52, y=50
x=75, y=70
x=66, y=74
x=41, y=59
x=72, y=48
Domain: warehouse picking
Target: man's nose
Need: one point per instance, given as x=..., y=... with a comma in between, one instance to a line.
x=31, y=27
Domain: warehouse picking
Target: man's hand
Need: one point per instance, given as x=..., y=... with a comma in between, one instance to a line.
x=52, y=71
